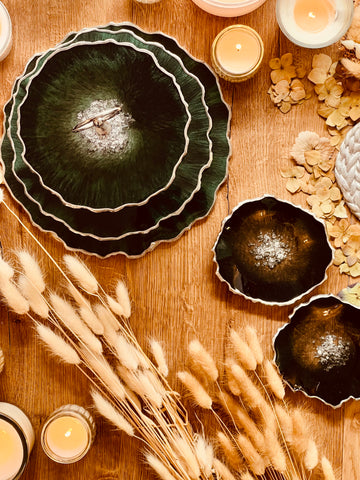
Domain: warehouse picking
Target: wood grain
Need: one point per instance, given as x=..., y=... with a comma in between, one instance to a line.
x=176, y=295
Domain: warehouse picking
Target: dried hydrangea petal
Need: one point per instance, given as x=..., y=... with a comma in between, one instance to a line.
x=285, y=107
x=323, y=61
x=340, y=211
x=275, y=63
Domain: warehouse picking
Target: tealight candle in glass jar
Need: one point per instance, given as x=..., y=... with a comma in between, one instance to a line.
x=229, y=8
x=237, y=53
x=68, y=434
x=314, y=24
x=16, y=441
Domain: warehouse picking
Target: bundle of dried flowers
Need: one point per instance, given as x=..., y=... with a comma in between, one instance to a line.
x=86, y=327
x=286, y=89
x=259, y=434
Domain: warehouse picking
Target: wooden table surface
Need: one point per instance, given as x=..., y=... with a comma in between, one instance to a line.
x=174, y=290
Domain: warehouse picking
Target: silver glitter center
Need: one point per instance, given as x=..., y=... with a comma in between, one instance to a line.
x=270, y=250
x=333, y=352
x=115, y=132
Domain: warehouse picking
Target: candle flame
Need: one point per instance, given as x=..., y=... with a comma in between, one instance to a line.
x=312, y=15
x=238, y=47
x=68, y=433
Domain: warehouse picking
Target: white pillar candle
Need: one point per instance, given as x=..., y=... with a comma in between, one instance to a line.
x=16, y=441
x=68, y=434
x=5, y=32
x=237, y=53
x=314, y=24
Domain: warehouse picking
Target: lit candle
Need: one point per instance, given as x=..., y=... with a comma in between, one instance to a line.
x=68, y=434
x=5, y=32
x=16, y=441
x=314, y=24
x=228, y=8
x=237, y=53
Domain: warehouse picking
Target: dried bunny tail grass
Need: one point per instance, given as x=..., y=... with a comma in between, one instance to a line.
x=122, y=296
x=222, y=470
x=285, y=423
x=275, y=452
x=205, y=455
x=33, y=296
x=327, y=469
x=13, y=297
x=68, y=316
x=231, y=382
x=106, y=317
x=300, y=432
x=126, y=353
x=32, y=270
x=202, y=361
x=6, y=270
x=115, y=306
x=242, y=351
x=81, y=273
x=105, y=374
x=107, y=410
x=159, y=357
x=2, y=360
x=252, y=457
x=196, y=390
x=142, y=385
x=186, y=453
x=91, y=320
x=157, y=465
x=230, y=451
x=274, y=380
x=57, y=345
x=249, y=390
x=311, y=457
x=242, y=420
x=246, y=476
x=252, y=340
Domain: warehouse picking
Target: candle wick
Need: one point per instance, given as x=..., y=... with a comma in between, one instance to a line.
x=238, y=46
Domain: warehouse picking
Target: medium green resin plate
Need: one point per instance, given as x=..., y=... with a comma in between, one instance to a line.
x=171, y=228
x=166, y=203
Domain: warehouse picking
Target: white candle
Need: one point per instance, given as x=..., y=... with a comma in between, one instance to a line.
x=16, y=441
x=5, y=32
x=237, y=53
x=229, y=8
x=67, y=434
x=314, y=24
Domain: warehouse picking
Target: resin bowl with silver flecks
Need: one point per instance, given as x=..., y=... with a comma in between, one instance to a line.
x=272, y=251
x=318, y=351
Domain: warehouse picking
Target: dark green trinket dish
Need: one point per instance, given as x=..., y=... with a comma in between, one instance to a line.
x=318, y=351
x=168, y=230
x=271, y=251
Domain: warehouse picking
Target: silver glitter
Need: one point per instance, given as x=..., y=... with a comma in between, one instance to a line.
x=270, y=250
x=113, y=136
x=333, y=352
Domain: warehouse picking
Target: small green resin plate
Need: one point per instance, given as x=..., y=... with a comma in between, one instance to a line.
x=201, y=202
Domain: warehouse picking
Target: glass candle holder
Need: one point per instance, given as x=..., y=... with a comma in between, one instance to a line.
x=5, y=32
x=228, y=8
x=67, y=434
x=16, y=441
x=314, y=24
x=237, y=53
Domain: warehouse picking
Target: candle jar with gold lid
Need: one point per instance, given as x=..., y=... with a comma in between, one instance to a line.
x=237, y=53
x=67, y=434
x=16, y=441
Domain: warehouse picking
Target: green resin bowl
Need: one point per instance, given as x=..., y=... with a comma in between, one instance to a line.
x=198, y=207
x=133, y=155
x=318, y=351
x=169, y=202
x=272, y=251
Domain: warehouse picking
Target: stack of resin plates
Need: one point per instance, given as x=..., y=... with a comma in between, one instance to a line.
x=115, y=140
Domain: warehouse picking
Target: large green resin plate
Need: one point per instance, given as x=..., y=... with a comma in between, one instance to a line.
x=113, y=225
x=171, y=228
